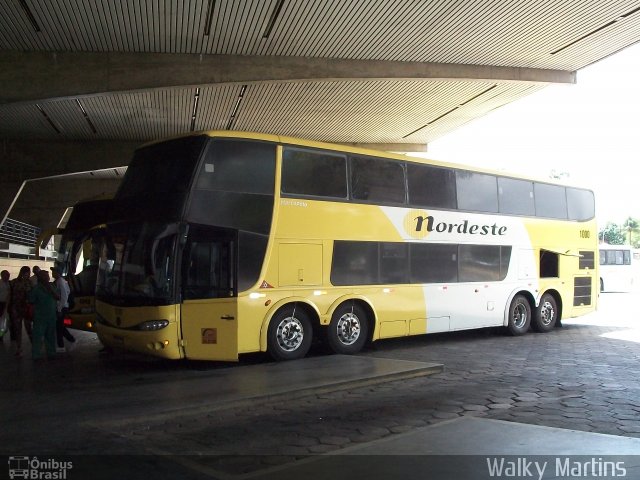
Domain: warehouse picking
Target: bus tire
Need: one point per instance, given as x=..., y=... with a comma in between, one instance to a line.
x=546, y=314
x=348, y=330
x=519, y=316
x=289, y=334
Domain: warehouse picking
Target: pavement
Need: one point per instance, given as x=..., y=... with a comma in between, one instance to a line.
x=574, y=390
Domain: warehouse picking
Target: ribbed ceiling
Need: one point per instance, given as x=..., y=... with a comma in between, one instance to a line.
x=505, y=33
x=543, y=34
x=363, y=112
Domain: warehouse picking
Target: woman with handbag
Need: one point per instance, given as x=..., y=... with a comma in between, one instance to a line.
x=45, y=300
x=19, y=308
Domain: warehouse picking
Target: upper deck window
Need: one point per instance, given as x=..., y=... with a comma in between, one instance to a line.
x=477, y=192
x=516, y=196
x=235, y=186
x=431, y=186
x=314, y=173
x=551, y=201
x=161, y=168
x=377, y=180
x=238, y=166
x=581, y=204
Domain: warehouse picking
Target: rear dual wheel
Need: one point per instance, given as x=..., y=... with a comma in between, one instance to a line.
x=348, y=330
x=543, y=320
x=546, y=314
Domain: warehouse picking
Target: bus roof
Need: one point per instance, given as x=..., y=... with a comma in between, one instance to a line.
x=358, y=151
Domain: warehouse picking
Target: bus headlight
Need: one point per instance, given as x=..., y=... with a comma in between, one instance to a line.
x=153, y=325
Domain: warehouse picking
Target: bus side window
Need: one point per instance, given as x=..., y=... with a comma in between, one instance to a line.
x=377, y=180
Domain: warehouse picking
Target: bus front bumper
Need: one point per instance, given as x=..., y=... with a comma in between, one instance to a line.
x=81, y=321
x=160, y=343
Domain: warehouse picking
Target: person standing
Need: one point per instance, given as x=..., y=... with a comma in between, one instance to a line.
x=5, y=291
x=44, y=299
x=34, y=278
x=18, y=308
x=62, y=289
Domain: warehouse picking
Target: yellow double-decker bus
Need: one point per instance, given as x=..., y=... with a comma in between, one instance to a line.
x=225, y=243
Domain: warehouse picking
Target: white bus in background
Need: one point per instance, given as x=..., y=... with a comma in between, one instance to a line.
x=616, y=268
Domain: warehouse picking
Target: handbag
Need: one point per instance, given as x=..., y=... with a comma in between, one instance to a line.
x=4, y=324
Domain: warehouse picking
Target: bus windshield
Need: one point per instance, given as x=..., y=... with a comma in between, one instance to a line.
x=78, y=260
x=136, y=265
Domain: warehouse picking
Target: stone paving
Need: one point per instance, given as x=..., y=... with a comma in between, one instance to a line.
x=582, y=376
x=574, y=377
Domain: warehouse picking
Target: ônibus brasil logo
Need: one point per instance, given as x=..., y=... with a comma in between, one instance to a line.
x=37, y=469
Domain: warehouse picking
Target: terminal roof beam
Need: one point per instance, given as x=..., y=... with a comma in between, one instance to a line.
x=31, y=76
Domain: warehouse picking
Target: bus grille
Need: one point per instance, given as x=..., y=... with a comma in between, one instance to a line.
x=581, y=291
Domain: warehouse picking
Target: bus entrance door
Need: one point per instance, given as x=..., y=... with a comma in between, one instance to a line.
x=210, y=329
x=209, y=310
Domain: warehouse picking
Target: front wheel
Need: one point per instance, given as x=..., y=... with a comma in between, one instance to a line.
x=348, y=330
x=519, y=315
x=546, y=314
x=289, y=334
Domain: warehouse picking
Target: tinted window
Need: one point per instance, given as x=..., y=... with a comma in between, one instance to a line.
x=587, y=260
x=551, y=200
x=209, y=272
x=238, y=166
x=235, y=186
x=354, y=263
x=434, y=263
x=251, y=250
x=162, y=167
x=314, y=173
x=479, y=263
x=372, y=263
x=505, y=260
x=516, y=196
x=581, y=204
x=377, y=180
x=394, y=264
x=431, y=186
x=208, y=264
x=476, y=191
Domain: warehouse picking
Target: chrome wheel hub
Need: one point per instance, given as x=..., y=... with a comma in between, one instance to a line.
x=547, y=313
x=348, y=329
x=289, y=334
x=519, y=316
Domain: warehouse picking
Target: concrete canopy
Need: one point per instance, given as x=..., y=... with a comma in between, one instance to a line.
x=84, y=82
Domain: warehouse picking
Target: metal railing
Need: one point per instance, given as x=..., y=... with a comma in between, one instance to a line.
x=13, y=231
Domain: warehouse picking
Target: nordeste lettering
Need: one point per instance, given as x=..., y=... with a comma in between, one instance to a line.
x=429, y=224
